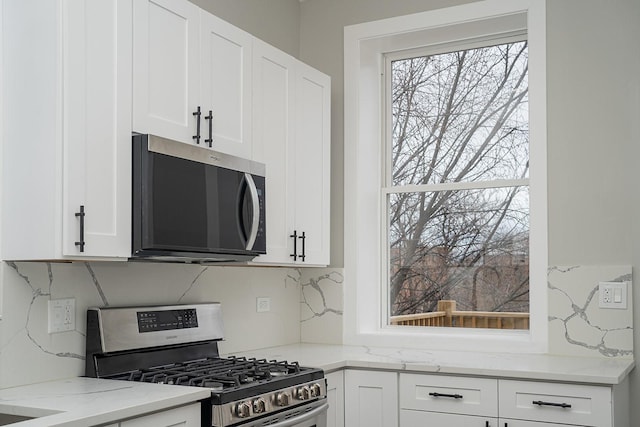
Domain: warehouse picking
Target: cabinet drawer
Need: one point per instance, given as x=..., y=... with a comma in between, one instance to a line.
x=556, y=403
x=410, y=418
x=456, y=395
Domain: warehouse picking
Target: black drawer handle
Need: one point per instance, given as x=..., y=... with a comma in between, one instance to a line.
x=453, y=396
x=557, y=405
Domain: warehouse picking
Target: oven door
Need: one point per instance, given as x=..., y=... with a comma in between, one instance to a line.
x=312, y=415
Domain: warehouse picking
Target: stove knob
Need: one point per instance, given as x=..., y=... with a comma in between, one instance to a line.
x=304, y=393
x=316, y=390
x=259, y=406
x=243, y=410
x=282, y=399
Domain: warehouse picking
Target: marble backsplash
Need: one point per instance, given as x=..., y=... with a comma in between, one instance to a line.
x=28, y=353
x=577, y=326
x=306, y=306
x=321, y=305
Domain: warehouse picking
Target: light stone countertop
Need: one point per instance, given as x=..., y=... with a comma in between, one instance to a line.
x=497, y=365
x=85, y=402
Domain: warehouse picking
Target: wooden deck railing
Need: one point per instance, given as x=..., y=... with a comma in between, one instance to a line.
x=447, y=315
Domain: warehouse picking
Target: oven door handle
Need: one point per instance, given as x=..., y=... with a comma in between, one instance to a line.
x=301, y=418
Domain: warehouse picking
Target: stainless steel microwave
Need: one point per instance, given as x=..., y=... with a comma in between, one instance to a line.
x=192, y=204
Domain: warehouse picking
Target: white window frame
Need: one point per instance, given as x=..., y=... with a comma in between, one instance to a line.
x=365, y=315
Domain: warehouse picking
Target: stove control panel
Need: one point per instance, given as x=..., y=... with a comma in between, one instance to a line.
x=167, y=320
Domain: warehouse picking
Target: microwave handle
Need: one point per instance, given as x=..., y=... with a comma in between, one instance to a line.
x=255, y=221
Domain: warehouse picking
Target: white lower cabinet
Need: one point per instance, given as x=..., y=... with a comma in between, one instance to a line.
x=521, y=423
x=546, y=402
x=370, y=398
x=185, y=416
x=409, y=418
x=335, y=398
x=456, y=401
x=381, y=398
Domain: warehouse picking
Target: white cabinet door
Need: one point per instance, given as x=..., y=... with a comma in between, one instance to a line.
x=410, y=418
x=225, y=60
x=97, y=128
x=371, y=399
x=274, y=133
x=575, y=404
x=186, y=416
x=67, y=135
x=335, y=398
x=311, y=162
x=503, y=422
x=449, y=394
x=291, y=136
x=166, y=68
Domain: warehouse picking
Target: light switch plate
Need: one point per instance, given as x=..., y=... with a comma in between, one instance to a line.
x=613, y=295
x=62, y=315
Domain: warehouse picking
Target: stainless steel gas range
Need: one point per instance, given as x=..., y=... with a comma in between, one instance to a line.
x=179, y=345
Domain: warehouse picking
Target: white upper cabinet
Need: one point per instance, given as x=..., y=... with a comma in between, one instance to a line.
x=274, y=133
x=166, y=68
x=312, y=164
x=67, y=134
x=97, y=127
x=225, y=93
x=85, y=75
x=191, y=76
x=291, y=116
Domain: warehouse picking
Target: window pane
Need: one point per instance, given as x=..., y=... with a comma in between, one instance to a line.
x=470, y=246
x=460, y=116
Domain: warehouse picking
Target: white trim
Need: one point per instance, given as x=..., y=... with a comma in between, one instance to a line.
x=364, y=165
x=471, y=185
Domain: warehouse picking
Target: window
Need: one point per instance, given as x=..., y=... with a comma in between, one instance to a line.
x=456, y=190
x=487, y=222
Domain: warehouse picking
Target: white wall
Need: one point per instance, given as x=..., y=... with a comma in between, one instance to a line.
x=590, y=74
x=593, y=115
x=277, y=22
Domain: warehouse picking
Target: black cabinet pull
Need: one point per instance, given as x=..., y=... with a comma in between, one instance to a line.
x=295, y=245
x=303, y=238
x=454, y=396
x=81, y=215
x=197, y=135
x=486, y=424
x=558, y=405
x=210, y=139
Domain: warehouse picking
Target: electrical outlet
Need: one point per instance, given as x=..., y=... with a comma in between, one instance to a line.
x=613, y=295
x=263, y=304
x=62, y=315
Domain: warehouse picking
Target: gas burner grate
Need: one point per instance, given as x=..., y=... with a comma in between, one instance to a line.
x=216, y=373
